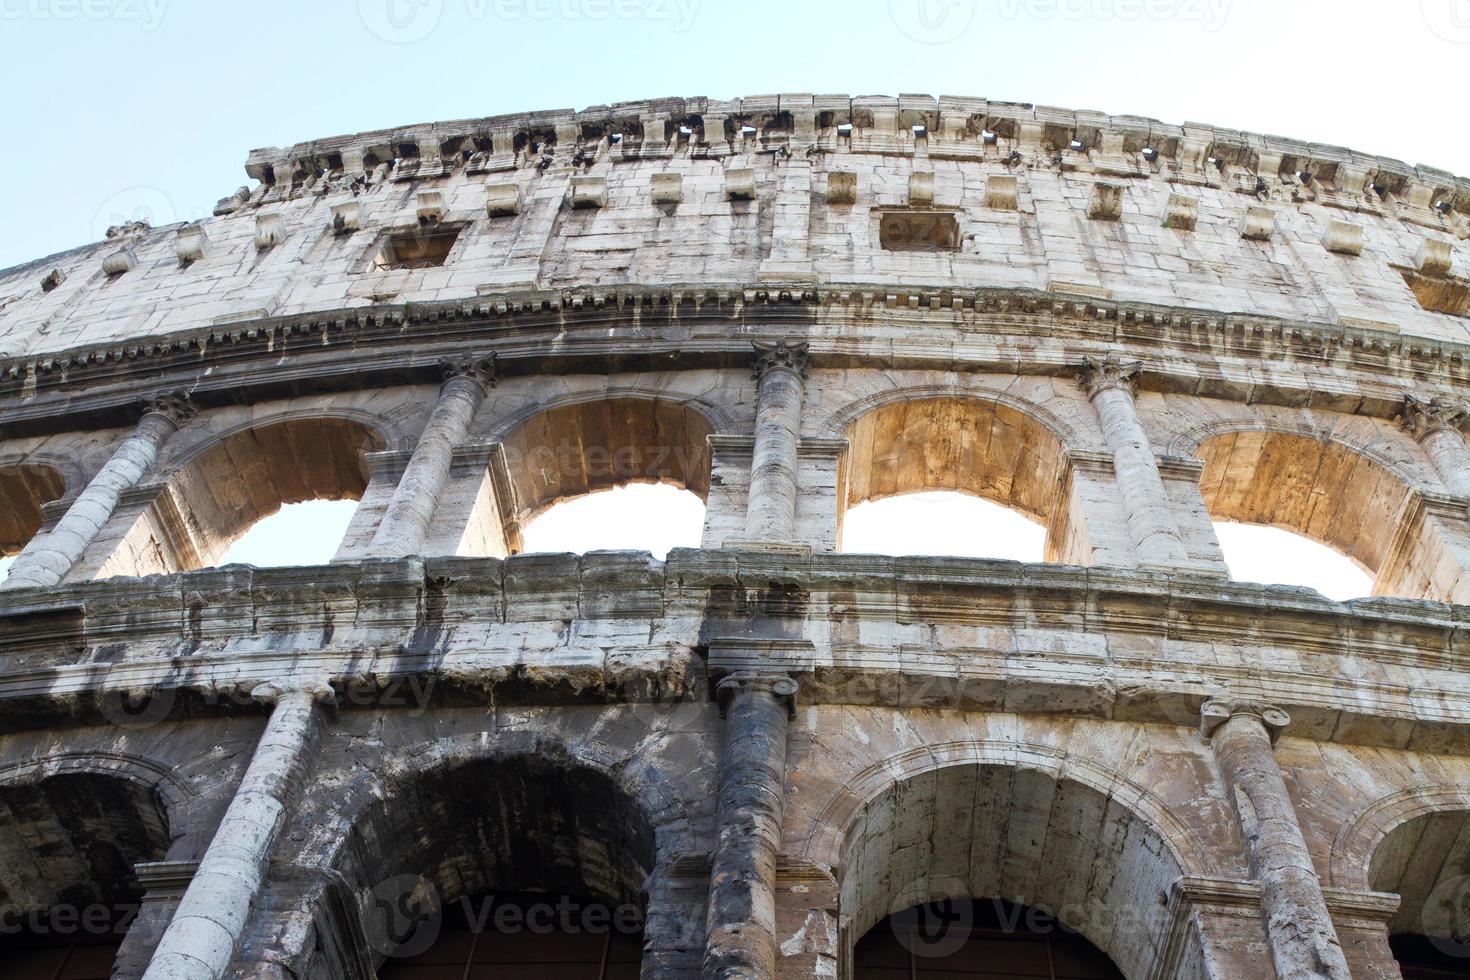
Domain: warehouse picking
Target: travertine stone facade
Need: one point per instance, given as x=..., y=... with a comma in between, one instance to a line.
x=787, y=305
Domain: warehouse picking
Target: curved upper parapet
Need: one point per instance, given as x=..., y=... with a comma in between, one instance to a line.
x=834, y=194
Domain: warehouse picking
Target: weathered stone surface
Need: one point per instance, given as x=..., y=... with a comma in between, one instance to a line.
x=597, y=287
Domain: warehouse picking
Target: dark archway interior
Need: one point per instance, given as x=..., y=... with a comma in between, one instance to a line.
x=484, y=828
x=68, y=845
x=23, y=489
x=990, y=939
x=1420, y=958
x=520, y=934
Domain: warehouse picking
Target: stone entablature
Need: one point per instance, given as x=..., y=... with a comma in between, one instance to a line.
x=1214, y=221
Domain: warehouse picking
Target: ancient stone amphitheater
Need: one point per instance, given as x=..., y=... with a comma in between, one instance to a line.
x=437, y=758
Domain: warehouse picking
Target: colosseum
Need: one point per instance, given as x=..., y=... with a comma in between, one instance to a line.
x=437, y=756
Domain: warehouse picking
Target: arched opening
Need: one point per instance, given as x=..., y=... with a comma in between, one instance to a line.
x=1426, y=861
x=68, y=846
x=647, y=449
x=991, y=939
x=942, y=522
x=640, y=517
x=215, y=497
x=23, y=489
x=907, y=462
x=1273, y=556
x=1015, y=833
x=307, y=533
x=1334, y=495
x=471, y=848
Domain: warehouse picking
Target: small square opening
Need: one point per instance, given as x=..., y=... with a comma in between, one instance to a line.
x=1440, y=294
x=420, y=248
x=919, y=231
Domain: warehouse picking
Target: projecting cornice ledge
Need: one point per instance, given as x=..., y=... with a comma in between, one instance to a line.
x=1042, y=639
x=704, y=326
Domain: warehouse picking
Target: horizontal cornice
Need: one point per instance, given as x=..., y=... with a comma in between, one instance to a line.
x=662, y=328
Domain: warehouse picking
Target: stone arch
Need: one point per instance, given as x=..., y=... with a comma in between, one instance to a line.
x=837, y=423
x=97, y=819
x=716, y=417
x=24, y=486
x=1336, y=490
x=160, y=778
x=215, y=490
x=472, y=816
x=583, y=444
x=987, y=444
x=1415, y=844
x=1036, y=827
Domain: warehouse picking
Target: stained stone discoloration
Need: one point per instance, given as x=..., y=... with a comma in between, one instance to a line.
x=763, y=746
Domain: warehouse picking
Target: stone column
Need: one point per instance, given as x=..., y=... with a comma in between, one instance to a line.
x=1436, y=424
x=1299, y=929
x=406, y=522
x=49, y=556
x=1109, y=383
x=741, y=928
x=780, y=371
x=200, y=941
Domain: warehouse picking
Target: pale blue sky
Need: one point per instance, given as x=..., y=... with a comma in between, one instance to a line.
x=113, y=106
x=121, y=109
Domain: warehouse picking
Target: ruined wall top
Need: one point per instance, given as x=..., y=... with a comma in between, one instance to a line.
x=837, y=196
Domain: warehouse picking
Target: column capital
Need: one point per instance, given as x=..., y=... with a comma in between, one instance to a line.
x=779, y=686
x=781, y=355
x=476, y=367
x=1101, y=374
x=174, y=406
x=274, y=692
x=1426, y=416
x=1217, y=711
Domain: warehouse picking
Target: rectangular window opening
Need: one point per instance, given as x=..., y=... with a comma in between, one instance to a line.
x=425, y=247
x=919, y=231
x=1440, y=294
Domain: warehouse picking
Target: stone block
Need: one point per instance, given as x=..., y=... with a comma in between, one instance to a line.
x=502, y=200
x=270, y=230
x=1106, y=203
x=921, y=189
x=740, y=184
x=666, y=188
x=1181, y=212
x=1000, y=192
x=589, y=192
x=1258, y=225
x=841, y=187
x=1343, y=238
x=346, y=217
x=1435, y=257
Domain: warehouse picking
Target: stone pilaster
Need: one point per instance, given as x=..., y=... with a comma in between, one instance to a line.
x=780, y=372
x=1299, y=928
x=741, y=933
x=1436, y=424
x=1109, y=383
x=406, y=523
x=49, y=556
x=211, y=917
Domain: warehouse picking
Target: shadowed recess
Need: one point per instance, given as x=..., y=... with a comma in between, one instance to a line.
x=23, y=489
